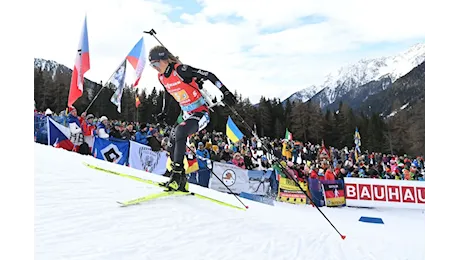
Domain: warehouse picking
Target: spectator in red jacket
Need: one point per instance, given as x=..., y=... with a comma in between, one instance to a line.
x=88, y=128
x=329, y=175
x=314, y=172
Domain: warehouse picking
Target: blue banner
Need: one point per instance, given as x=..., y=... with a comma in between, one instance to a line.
x=111, y=150
x=316, y=191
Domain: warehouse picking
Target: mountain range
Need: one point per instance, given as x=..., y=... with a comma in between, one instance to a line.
x=355, y=83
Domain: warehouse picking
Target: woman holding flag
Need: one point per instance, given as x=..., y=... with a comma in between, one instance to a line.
x=184, y=82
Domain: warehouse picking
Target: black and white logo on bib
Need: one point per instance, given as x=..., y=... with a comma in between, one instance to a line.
x=111, y=153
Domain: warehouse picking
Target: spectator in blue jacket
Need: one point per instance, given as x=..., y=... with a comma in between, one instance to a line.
x=203, y=173
x=101, y=129
x=152, y=131
x=141, y=135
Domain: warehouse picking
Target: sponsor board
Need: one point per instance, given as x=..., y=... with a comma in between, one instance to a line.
x=363, y=192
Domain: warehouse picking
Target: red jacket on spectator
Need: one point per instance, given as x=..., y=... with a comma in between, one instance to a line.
x=87, y=129
x=330, y=176
x=313, y=174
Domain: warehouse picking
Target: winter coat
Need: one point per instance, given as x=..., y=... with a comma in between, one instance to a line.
x=203, y=164
x=102, y=130
x=141, y=137
x=76, y=135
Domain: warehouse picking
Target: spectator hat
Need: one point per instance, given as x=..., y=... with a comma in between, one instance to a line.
x=90, y=116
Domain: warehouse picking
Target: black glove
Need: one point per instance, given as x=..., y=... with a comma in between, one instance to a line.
x=229, y=99
x=200, y=83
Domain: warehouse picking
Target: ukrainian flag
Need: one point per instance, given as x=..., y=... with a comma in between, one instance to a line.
x=233, y=133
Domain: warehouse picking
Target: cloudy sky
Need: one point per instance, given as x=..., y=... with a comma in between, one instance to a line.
x=257, y=47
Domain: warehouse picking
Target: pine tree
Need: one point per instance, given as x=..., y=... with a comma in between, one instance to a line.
x=299, y=121
x=415, y=144
x=328, y=125
x=315, y=122
x=287, y=113
x=398, y=128
x=265, y=117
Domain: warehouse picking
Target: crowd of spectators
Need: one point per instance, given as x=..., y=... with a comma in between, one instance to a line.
x=302, y=160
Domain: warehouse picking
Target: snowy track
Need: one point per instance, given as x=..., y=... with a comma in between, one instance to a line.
x=77, y=217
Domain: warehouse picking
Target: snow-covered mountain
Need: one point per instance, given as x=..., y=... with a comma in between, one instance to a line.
x=352, y=76
x=50, y=66
x=55, y=74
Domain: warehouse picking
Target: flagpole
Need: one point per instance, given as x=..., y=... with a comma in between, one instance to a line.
x=92, y=101
x=103, y=86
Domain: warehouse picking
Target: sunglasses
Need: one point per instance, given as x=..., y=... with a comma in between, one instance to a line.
x=155, y=64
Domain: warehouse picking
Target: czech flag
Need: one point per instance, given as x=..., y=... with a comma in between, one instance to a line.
x=136, y=58
x=80, y=68
x=59, y=135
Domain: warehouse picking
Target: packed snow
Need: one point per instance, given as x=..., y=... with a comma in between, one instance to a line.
x=77, y=217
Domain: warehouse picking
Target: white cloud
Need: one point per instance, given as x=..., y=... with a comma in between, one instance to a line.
x=253, y=63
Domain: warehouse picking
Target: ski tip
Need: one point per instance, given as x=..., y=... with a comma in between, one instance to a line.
x=343, y=237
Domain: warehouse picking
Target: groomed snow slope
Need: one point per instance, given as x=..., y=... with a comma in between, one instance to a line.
x=77, y=217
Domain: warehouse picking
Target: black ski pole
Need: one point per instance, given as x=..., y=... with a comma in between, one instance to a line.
x=276, y=160
x=153, y=33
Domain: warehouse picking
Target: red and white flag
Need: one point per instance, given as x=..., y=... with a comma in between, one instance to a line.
x=80, y=68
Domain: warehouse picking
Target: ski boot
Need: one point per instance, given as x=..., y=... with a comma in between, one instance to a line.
x=178, y=179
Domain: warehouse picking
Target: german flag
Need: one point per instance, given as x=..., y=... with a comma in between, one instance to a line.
x=334, y=193
x=190, y=164
x=138, y=102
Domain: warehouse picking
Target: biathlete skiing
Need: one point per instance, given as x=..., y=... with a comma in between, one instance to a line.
x=184, y=82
